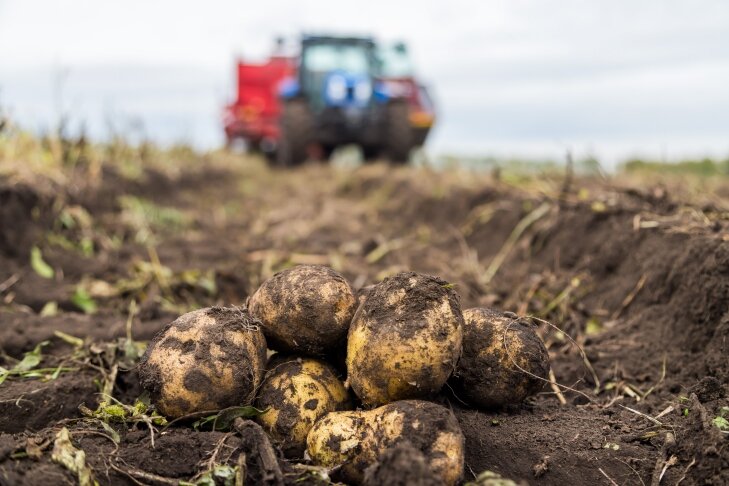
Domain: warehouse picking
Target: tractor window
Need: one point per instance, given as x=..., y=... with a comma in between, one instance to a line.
x=395, y=61
x=326, y=58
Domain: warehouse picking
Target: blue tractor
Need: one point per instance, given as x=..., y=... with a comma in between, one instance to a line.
x=338, y=98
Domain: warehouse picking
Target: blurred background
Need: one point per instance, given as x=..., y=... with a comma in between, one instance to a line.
x=515, y=79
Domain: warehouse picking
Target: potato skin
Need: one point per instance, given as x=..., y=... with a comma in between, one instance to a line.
x=208, y=359
x=304, y=310
x=355, y=440
x=297, y=392
x=405, y=339
x=493, y=342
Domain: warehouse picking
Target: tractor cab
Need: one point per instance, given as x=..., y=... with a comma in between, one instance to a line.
x=337, y=72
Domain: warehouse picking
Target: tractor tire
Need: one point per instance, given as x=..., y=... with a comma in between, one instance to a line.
x=297, y=134
x=371, y=153
x=326, y=152
x=398, y=139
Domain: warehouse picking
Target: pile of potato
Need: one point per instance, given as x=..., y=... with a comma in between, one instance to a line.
x=404, y=339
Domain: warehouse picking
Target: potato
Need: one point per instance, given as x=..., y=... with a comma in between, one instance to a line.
x=305, y=309
x=494, y=344
x=355, y=440
x=404, y=340
x=208, y=359
x=297, y=392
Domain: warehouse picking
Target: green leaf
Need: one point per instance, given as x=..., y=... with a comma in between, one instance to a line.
x=86, y=245
x=110, y=430
x=224, y=419
x=66, y=219
x=84, y=301
x=31, y=359
x=72, y=340
x=593, y=326
x=158, y=419
x=140, y=408
x=39, y=265
x=226, y=475
x=4, y=373
x=115, y=411
x=133, y=350
x=49, y=309
x=721, y=423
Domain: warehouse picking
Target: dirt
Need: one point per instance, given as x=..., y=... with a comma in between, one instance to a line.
x=400, y=465
x=19, y=203
x=422, y=293
x=638, y=277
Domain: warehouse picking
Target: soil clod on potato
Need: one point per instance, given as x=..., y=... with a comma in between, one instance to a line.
x=401, y=465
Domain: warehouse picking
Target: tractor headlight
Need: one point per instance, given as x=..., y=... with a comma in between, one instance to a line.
x=337, y=88
x=363, y=91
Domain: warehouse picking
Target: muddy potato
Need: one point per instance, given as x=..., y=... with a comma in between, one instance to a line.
x=405, y=339
x=495, y=346
x=355, y=440
x=305, y=309
x=296, y=393
x=208, y=359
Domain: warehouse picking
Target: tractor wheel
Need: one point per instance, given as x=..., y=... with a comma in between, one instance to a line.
x=327, y=152
x=297, y=133
x=398, y=133
x=371, y=153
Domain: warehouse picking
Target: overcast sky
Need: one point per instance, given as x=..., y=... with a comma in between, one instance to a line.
x=511, y=78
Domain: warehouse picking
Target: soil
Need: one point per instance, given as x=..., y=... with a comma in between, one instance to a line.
x=400, y=465
x=636, y=274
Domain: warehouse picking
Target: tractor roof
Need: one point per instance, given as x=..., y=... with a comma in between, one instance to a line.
x=335, y=39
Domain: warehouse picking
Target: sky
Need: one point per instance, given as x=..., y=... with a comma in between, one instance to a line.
x=519, y=78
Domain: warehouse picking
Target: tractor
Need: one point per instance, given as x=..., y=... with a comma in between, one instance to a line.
x=337, y=99
x=337, y=91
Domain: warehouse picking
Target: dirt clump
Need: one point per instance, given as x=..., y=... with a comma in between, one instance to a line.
x=22, y=217
x=401, y=465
